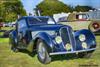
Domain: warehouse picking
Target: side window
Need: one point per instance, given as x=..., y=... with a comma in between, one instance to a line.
x=80, y=16
x=77, y=16
x=21, y=24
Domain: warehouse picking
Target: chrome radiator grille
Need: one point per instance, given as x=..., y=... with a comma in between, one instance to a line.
x=67, y=36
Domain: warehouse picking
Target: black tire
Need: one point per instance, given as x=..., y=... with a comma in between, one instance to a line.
x=13, y=44
x=44, y=58
x=14, y=49
x=85, y=54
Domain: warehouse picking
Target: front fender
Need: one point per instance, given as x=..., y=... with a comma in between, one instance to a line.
x=12, y=37
x=47, y=39
x=90, y=38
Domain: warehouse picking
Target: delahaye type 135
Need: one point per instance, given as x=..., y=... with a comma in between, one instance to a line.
x=43, y=35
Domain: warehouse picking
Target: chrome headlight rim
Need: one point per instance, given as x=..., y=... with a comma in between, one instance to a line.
x=82, y=37
x=58, y=39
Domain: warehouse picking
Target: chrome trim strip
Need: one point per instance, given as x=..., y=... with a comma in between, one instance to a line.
x=61, y=37
x=74, y=37
x=70, y=39
x=70, y=52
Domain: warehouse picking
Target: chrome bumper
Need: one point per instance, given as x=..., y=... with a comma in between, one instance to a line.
x=70, y=52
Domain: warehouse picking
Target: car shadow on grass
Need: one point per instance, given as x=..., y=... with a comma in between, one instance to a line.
x=31, y=54
x=64, y=57
x=55, y=57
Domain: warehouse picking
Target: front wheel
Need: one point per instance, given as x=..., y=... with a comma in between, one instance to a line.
x=42, y=53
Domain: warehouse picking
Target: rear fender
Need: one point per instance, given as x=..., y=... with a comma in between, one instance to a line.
x=12, y=37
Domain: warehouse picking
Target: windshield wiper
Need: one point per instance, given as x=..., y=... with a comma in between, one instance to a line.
x=38, y=19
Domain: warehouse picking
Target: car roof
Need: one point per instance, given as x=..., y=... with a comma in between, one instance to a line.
x=33, y=17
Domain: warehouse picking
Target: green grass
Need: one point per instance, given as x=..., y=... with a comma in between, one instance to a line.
x=10, y=59
x=1, y=33
x=4, y=40
x=7, y=28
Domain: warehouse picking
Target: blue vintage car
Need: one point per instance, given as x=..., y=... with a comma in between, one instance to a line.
x=43, y=35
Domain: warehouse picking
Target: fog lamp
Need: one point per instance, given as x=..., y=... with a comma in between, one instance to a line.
x=68, y=46
x=84, y=45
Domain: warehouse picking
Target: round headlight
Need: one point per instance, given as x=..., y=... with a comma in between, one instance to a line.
x=68, y=46
x=82, y=37
x=84, y=45
x=58, y=39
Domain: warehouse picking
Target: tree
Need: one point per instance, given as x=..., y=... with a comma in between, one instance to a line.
x=79, y=8
x=10, y=9
x=50, y=7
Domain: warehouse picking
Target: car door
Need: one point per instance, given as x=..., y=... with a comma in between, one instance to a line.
x=22, y=28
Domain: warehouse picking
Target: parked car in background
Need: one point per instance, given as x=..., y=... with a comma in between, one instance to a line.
x=1, y=24
x=13, y=24
x=6, y=24
x=80, y=21
x=9, y=24
x=43, y=35
x=4, y=33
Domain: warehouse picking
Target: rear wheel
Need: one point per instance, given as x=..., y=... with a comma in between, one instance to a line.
x=42, y=53
x=14, y=49
x=13, y=44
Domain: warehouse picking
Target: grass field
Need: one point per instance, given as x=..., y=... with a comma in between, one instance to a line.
x=10, y=59
x=7, y=28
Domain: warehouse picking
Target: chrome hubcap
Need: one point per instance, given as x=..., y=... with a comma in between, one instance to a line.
x=41, y=50
x=15, y=40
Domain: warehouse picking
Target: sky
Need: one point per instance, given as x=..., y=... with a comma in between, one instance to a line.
x=30, y=4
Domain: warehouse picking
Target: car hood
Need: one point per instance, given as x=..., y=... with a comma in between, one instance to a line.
x=47, y=27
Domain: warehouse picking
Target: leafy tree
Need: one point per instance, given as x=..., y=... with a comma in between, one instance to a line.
x=79, y=8
x=1, y=10
x=50, y=7
x=10, y=9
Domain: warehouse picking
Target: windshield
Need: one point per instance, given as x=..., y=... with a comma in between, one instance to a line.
x=40, y=20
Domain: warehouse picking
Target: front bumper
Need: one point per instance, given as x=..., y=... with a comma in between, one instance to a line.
x=71, y=52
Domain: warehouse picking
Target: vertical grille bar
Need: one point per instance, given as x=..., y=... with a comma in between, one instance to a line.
x=72, y=38
x=68, y=37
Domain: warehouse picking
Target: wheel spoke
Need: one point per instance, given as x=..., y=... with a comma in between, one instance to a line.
x=41, y=51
